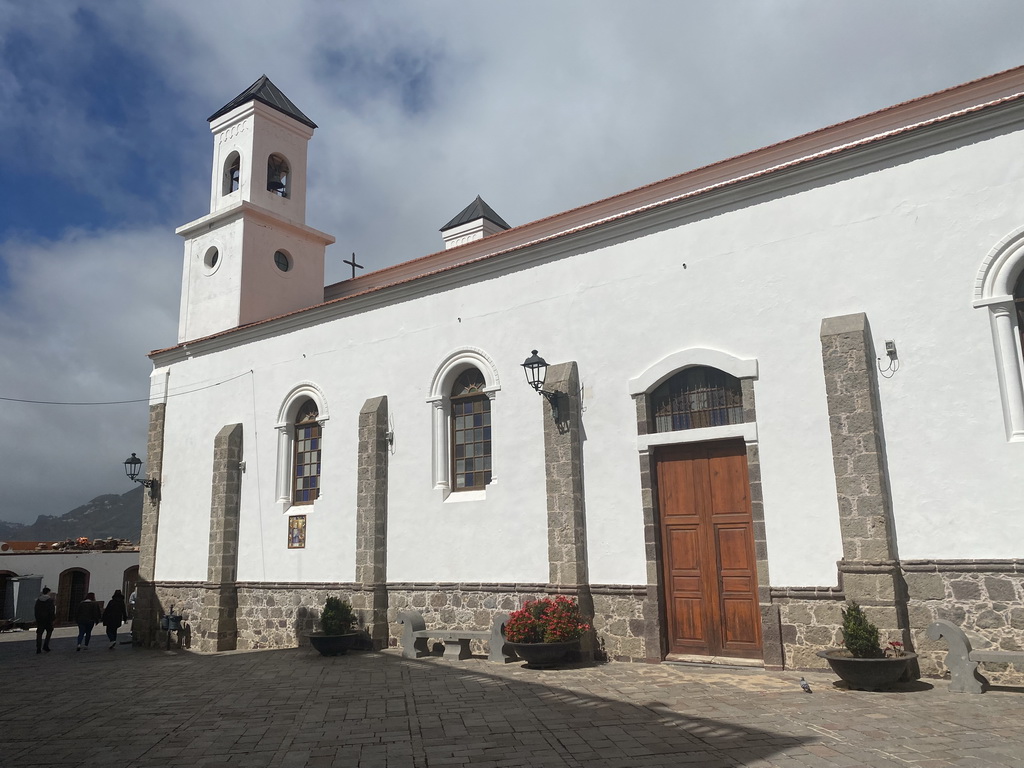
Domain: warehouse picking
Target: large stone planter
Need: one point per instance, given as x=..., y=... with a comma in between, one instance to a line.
x=543, y=655
x=333, y=645
x=867, y=674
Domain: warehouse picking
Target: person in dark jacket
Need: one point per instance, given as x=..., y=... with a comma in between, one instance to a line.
x=46, y=611
x=87, y=616
x=114, y=615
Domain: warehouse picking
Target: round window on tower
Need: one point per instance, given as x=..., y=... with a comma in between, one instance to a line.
x=211, y=259
x=283, y=261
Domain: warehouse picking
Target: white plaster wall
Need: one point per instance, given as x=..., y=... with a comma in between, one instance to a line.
x=211, y=298
x=902, y=244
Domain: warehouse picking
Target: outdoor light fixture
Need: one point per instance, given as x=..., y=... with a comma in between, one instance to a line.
x=536, y=369
x=132, y=467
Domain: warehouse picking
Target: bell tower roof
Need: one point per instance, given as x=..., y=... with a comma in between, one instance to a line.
x=267, y=93
x=478, y=209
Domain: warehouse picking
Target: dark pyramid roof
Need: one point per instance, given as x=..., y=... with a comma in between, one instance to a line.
x=478, y=209
x=264, y=91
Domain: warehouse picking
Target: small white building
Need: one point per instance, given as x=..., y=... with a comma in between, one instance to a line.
x=782, y=381
x=69, y=573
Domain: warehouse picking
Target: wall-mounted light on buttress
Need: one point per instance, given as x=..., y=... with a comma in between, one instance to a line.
x=132, y=467
x=536, y=369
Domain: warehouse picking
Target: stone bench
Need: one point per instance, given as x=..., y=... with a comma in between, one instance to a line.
x=415, y=635
x=963, y=661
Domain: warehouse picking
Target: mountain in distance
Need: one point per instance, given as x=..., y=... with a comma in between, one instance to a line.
x=106, y=517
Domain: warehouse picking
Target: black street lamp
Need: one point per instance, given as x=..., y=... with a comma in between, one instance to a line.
x=536, y=369
x=132, y=467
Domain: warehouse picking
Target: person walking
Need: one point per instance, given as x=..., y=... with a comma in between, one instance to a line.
x=87, y=616
x=46, y=612
x=114, y=615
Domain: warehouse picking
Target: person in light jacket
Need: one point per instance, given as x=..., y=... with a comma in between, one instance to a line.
x=46, y=611
x=87, y=616
x=114, y=615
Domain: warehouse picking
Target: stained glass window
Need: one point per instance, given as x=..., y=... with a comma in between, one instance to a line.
x=697, y=397
x=471, y=432
x=306, y=485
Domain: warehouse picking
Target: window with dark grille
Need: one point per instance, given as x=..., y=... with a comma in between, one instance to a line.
x=306, y=480
x=697, y=397
x=471, y=432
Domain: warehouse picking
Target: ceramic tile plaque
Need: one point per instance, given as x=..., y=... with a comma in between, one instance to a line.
x=296, y=532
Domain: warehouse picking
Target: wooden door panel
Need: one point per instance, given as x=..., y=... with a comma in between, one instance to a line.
x=734, y=548
x=742, y=627
x=708, y=561
x=688, y=625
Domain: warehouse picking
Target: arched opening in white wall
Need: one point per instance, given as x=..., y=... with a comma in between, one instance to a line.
x=999, y=286
x=704, y=381
x=473, y=395
x=129, y=583
x=232, y=174
x=300, y=433
x=71, y=590
x=278, y=172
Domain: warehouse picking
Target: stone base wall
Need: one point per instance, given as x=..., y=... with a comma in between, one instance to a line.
x=983, y=597
x=620, y=624
x=811, y=621
x=986, y=598
x=282, y=615
x=185, y=599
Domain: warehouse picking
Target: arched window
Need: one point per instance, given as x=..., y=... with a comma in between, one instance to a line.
x=232, y=174
x=470, y=432
x=277, y=175
x=306, y=463
x=300, y=426
x=697, y=397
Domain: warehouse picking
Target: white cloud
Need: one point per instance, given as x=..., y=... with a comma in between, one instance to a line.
x=79, y=317
x=536, y=106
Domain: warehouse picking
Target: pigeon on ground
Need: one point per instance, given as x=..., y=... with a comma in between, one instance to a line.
x=805, y=685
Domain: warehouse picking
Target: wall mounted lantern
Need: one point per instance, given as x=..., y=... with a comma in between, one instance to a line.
x=536, y=369
x=132, y=467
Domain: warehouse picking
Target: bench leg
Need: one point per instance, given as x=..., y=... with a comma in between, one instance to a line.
x=963, y=673
x=464, y=650
x=497, y=649
x=412, y=647
x=964, y=676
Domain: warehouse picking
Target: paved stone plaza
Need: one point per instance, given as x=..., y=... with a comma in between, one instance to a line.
x=129, y=707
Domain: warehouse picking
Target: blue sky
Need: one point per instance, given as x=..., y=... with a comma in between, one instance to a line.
x=536, y=106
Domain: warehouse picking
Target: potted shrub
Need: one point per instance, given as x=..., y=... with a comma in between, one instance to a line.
x=543, y=631
x=336, y=635
x=864, y=664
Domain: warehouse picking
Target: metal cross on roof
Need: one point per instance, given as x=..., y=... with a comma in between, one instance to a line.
x=353, y=264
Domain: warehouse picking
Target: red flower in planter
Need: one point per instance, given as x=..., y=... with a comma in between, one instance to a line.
x=547, y=620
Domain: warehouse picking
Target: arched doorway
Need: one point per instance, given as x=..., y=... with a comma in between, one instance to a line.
x=4, y=588
x=130, y=581
x=74, y=584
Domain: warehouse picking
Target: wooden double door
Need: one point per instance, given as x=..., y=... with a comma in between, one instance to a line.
x=707, y=548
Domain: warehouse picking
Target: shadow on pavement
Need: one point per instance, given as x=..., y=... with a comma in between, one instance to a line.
x=130, y=707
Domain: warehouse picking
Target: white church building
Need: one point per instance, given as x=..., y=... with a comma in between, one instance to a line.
x=774, y=384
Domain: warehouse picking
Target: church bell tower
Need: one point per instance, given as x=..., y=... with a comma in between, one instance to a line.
x=253, y=257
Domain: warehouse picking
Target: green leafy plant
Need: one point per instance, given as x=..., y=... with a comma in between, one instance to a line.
x=860, y=636
x=547, y=620
x=337, y=617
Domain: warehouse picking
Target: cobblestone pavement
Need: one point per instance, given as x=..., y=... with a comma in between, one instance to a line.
x=129, y=707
